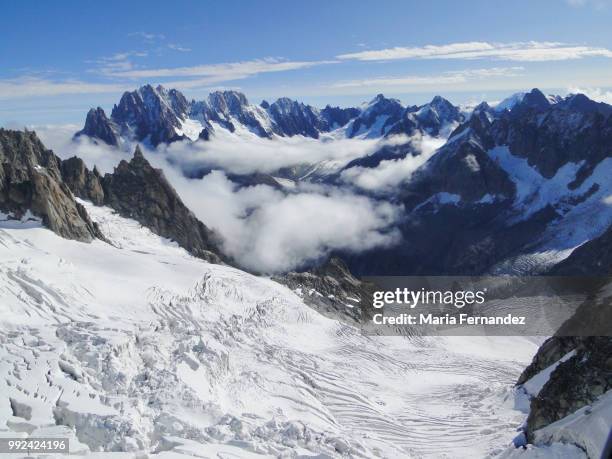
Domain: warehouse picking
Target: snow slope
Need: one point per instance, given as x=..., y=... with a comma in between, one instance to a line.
x=140, y=348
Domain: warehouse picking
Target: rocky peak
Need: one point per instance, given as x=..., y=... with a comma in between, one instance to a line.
x=31, y=180
x=83, y=183
x=150, y=114
x=382, y=105
x=338, y=117
x=582, y=104
x=98, y=126
x=295, y=118
x=437, y=114
x=533, y=100
x=228, y=102
x=332, y=290
x=138, y=191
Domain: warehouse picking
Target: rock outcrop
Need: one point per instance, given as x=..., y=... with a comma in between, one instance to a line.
x=31, y=180
x=83, y=183
x=593, y=258
x=332, y=290
x=575, y=383
x=137, y=190
x=98, y=127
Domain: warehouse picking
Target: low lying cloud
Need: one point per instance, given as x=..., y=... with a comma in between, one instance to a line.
x=265, y=229
x=245, y=153
x=270, y=231
x=531, y=51
x=388, y=174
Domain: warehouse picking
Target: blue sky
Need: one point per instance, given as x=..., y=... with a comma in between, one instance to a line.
x=59, y=58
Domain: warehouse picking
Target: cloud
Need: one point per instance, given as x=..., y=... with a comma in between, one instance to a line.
x=148, y=37
x=245, y=153
x=222, y=72
x=597, y=94
x=29, y=86
x=271, y=231
x=597, y=4
x=118, y=62
x=532, y=51
x=179, y=48
x=388, y=174
x=265, y=229
x=120, y=68
x=446, y=78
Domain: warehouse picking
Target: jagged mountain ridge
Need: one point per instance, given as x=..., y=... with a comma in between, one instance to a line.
x=35, y=183
x=521, y=188
x=156, y=115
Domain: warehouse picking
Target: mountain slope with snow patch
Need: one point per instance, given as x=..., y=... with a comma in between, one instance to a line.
x=138, y=346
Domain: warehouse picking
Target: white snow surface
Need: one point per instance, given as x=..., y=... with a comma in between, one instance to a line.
x=585, y=214
x=137, y=350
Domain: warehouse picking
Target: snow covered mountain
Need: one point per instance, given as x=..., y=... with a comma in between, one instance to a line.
x=155, y=115
x=123, y=330
x=521, y=189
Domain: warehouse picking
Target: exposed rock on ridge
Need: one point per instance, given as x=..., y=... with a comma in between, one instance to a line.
x=137, y=190
x=31, y=179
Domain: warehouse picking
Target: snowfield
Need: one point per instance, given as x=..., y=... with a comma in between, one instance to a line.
x=139, y=349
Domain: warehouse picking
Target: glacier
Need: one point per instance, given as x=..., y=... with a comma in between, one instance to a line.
x=136, y=349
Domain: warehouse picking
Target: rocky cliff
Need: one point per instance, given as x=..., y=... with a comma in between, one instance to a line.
x=137, y=190
x=31, y=180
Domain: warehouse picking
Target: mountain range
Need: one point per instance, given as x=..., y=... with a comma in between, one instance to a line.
x=155, y=115
x=522, y=183
x=130, y=300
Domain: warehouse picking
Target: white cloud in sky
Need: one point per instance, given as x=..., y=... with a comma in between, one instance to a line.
x=148, y=36
x=446, y=78
x=35, y=86
x=531, y=51
x=597, y=4
x=179, y=48
x=225, y=70
x=121, y=69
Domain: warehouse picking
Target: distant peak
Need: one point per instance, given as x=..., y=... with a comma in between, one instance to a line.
x=536, y=99
x=138, y=153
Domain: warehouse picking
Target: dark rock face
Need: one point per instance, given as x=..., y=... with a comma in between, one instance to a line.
x=594, y=258
x=337, y=117
x=332, y=290
x=462, y=187
x=99, y=127
x=83, y=183
x=432, y=117
x=150, y=114
x=294, y=118
x=552, y=135
x=380, y=108
x=156, y=115
x=31, y=179
x=575, y=383
x=223, y=105
x=136, y=190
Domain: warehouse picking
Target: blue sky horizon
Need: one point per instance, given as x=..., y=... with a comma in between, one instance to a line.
x=60, y=58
